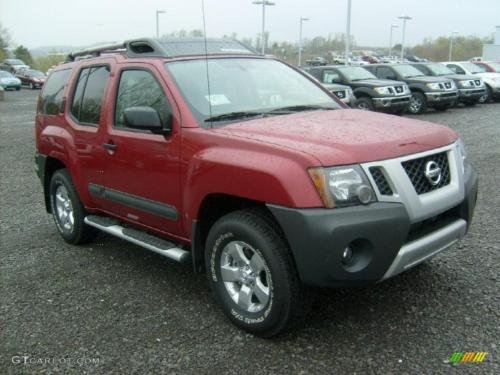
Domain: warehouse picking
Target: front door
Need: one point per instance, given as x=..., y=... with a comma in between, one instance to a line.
x=141, y=171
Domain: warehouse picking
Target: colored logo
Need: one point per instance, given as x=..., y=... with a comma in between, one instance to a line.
x=468, y=357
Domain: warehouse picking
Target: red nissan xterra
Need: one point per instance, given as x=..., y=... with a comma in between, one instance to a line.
x=239, y=164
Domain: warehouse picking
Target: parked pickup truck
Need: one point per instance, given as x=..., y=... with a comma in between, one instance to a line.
x=253, y=172
x=344, y=93
x=470, y=88
x=490, y=79
x=371, y=93
x=436, y=92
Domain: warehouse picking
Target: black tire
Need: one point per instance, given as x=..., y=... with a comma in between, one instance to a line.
x=79, y=232
x=258, y=235
x=418, y=103
x=364, y=103
x=18, y=88
x=488, y=97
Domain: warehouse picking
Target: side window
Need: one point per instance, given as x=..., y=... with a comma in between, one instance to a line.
x=87, y=100
x=52, y=95
x=385, y=73
x=139, y=88
x=329, y=76
x=78, y=95
x=456, y=69
x=425, y=70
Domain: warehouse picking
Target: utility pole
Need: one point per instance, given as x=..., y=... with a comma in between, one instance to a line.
x=404, y=18
x=348, y=33
x=451, y=45
x=264, y=3
x=390, y=39
x=302, y=19
x=158, y=12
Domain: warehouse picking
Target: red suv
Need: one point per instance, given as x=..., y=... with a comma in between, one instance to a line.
x=239, y=164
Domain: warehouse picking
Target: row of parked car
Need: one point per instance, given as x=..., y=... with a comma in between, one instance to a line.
x=14, y=73
x=411, y=87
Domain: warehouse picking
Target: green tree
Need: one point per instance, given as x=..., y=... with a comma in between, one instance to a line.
x=24, y=54
x=44, y=63
x=4, y=43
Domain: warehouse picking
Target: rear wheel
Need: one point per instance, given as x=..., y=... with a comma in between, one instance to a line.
x=364, y=103
x=251, y=273
x=67, y=210
x=418, y=103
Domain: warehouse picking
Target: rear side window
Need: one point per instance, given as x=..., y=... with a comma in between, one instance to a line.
x=53, y=90
x=89, y=91
x=139, y=88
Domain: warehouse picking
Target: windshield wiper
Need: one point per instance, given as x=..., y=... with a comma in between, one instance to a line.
x=298, y=108
x=233, y=116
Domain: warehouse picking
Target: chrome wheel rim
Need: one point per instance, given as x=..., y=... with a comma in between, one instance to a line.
x=246, y=276
x=64, y=208
x=415, y=104
x=483, y=99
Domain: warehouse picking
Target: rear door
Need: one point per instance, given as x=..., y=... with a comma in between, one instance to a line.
x=141, y=169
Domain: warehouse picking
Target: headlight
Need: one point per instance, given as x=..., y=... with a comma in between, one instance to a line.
x=433, y=86
x=464, y=83
x=342, y=186
x=382, y=90
x=463, y=156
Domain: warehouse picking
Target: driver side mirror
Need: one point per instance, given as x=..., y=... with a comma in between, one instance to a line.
x=147, y=118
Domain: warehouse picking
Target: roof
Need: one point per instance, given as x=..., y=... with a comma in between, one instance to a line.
x=168, y=48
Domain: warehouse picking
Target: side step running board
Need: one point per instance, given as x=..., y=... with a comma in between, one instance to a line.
x=143, y=239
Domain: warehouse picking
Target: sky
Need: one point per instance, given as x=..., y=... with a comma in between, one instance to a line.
x=36, y=23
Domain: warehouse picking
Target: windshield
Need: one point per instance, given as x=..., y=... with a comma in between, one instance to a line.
x=473, y=68
x=4, y=74
x=407, y=71
x=14, y=62
x=355, y=73
x=439, y=69
x=35, y=73
x=243, y=85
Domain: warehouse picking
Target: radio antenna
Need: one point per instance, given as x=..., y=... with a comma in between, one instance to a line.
x=206, y=61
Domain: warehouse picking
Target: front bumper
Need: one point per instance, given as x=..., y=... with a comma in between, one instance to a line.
x=470, y=94
x=392, y=103
x=384, y=240
x=443, y=97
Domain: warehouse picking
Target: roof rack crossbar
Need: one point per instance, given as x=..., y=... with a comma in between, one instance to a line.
x=96, y=51
x=150, y=47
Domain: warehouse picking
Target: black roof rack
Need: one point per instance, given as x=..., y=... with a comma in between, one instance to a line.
x=167, y=47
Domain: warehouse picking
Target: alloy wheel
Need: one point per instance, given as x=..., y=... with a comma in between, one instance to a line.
x=246, y=276
x=64, y=208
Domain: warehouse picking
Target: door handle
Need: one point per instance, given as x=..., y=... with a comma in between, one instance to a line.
x=109, y=146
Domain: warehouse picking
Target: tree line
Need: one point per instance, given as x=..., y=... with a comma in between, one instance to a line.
x=464, y=47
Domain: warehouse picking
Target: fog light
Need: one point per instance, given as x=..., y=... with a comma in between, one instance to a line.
x=364, y=194
x=347, y=255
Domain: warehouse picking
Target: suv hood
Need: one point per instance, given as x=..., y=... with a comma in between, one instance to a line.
x=378, y=82
x=487, y=75
x=346, y=136
x=428, y=79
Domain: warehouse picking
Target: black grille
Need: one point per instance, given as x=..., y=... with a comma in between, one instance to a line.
x=415, y=169
x=478, y=82
x=399, y=89
x=380, y=181
x=447, y=85
x=340, y=94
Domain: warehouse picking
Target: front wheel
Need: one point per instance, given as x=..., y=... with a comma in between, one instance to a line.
x=67, y=210
x=251, y=273
x=418, y=103
x=487, y=97
x=364, y=103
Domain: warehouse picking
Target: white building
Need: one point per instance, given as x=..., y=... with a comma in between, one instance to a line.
x=491, y=52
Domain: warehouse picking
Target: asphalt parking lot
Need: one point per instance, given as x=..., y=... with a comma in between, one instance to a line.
x=112, y=307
